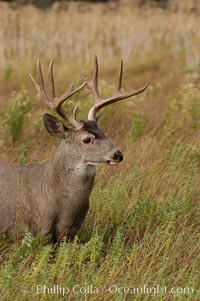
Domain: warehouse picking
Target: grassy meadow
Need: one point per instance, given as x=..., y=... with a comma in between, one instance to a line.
x=142, y=229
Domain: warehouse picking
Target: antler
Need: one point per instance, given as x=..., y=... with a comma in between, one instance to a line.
x=117, y=96
x=56, y=102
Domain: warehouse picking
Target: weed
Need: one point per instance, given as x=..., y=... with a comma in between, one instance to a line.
x=16, y=113
x=143, y=223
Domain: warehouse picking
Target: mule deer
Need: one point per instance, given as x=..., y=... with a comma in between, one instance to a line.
x=54, y=197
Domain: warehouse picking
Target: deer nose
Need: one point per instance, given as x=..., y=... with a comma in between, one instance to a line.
x=118, y=156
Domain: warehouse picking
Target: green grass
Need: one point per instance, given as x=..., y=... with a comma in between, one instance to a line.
x=142, y=229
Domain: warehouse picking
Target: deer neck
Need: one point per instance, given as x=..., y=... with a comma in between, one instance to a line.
x=68, y=166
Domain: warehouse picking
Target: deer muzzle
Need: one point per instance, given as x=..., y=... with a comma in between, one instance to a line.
x=113, y=157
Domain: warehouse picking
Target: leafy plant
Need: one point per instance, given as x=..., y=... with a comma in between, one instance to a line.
x=16, y=113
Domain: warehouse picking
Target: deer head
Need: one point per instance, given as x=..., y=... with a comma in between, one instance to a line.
x=86, y=140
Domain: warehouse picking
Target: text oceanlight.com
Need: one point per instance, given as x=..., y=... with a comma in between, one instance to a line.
x=111, y=289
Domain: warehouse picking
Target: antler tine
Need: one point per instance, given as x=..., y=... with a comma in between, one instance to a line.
x=119, y=83
x=95, y=77
x=51, y=80
x=99, y=103
x=75, y=110
x=41, y=86
x=59, y=101
x=56, y=102
x=93, y=84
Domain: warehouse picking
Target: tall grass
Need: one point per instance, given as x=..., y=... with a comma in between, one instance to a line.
x=28, y=33
x=142, y=229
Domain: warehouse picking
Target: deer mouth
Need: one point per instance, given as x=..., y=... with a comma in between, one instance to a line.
x=103, y=161
x=109, y=162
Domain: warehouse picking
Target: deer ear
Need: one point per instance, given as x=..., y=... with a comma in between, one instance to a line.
x=54, y=126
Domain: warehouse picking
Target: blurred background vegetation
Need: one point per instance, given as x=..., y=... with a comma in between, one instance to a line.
x=192, y=4
x=143, y=224
x=46, y=3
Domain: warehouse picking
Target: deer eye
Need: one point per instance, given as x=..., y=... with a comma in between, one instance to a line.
x=87, y=140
